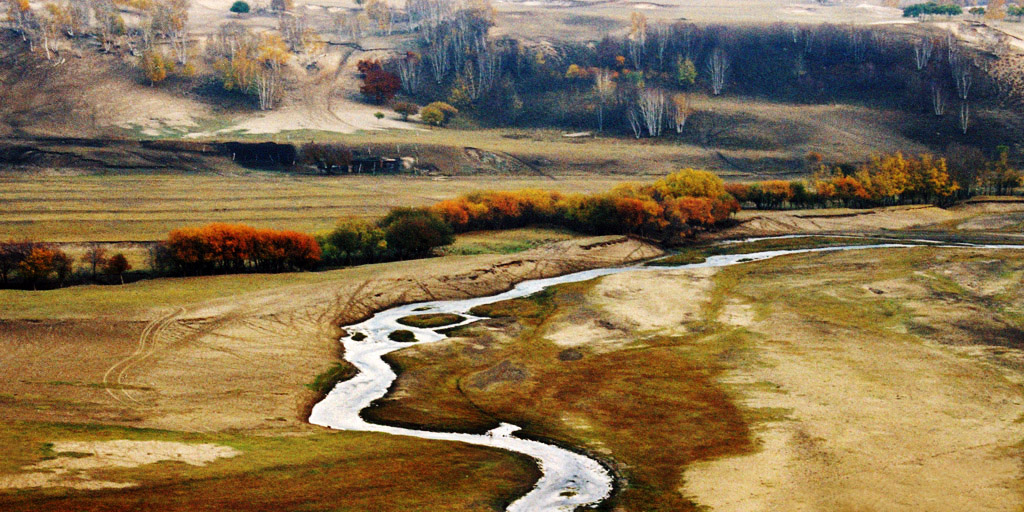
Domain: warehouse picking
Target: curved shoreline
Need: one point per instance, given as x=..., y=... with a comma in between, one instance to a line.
x=569, y=479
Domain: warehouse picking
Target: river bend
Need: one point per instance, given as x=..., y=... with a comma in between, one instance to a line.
x=569, y=479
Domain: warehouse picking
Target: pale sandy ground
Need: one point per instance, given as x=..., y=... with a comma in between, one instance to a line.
x=630, y=305
x=971, y=217
x=911, y=426
x=76, y=460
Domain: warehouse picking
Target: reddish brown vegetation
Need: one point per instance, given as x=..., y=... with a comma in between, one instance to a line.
x=237, y=248
x=680, y=203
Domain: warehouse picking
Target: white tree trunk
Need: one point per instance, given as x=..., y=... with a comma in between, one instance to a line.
x=718, y=69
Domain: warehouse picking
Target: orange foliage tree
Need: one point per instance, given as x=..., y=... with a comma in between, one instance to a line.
x=680, y=203
x=236, y=248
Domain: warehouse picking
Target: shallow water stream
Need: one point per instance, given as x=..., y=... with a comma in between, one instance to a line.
x=570, y=479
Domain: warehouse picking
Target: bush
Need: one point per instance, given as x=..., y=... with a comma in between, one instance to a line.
x=353, y=241
x=413, y=233
x=430, y=321
x=931, y=8
x=679, y=203
x=406, y=109
x=240, y=7
x=432, y=116
x=402, y=336
x=438, y=113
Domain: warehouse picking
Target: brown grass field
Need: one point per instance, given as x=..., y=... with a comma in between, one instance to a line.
x=134, y=207
x=226, y=361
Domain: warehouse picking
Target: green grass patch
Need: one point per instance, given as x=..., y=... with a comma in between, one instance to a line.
x=431, y=321
x=506, y=241
x=402, y=336
x=325, y=382
x=534, y=306
x=700, y=253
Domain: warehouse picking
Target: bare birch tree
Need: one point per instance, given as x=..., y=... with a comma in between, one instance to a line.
x=718, y=69
x=652, y=104
x=634, y=122
x=938, y=99
x=409, y=72
x=680, y=110
x=662, y=37
x=923, y=52
x=604, y=86
x=965, y=116
x=962, y=76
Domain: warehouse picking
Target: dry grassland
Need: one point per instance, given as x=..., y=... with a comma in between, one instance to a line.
x=146, y=207
x=228, y=360
x=810, y=382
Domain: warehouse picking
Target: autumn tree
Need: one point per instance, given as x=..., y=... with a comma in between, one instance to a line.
x=995, y=10
x=636, y=41
x=406, y=109
x=680, y=110
x=412, y=233
x=280, y=6
x=37, y=265
x=438, y=113
x=155, y=65
x=117, y=265
x=686, y=72
x=95, y=256
x=380, y=85
x=19, y=14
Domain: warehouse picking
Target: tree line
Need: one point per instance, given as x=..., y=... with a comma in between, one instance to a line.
x=34, y=264
x=231, y=248
x=886, y=180
x=679, y=204
x=643, y=84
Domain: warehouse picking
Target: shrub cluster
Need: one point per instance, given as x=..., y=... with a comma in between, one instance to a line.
x=405, y=233
x=680, y=203
x=885, y=180
x=35, y=263
x=221, y=248
x=932, y=8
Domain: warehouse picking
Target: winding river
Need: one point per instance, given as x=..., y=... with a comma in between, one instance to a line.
x=569, y=479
